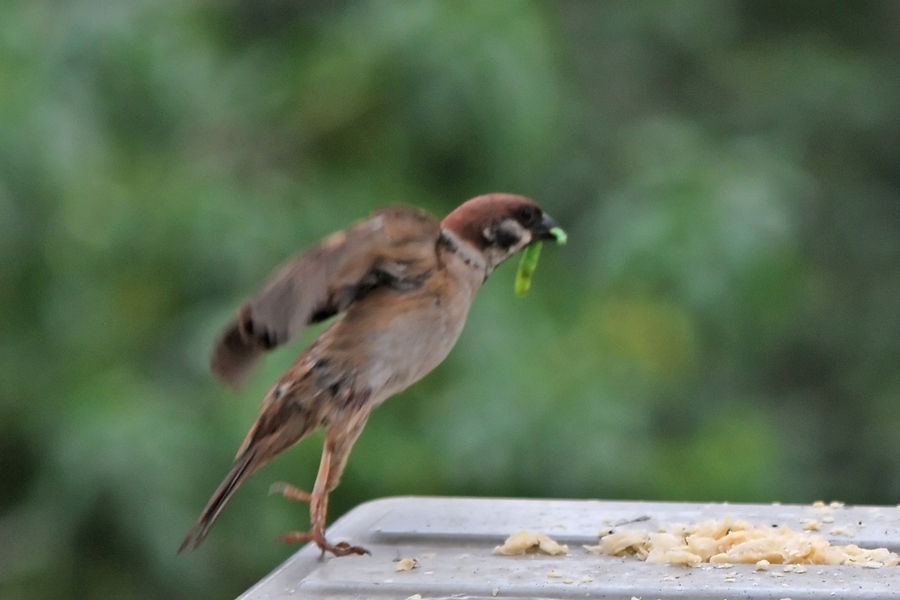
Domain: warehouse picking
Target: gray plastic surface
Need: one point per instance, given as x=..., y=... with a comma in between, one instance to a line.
x=453, y=540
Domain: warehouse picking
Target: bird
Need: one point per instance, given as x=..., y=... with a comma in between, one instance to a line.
x=401, y=283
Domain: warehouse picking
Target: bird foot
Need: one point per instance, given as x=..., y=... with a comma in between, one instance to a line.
x=317, y=534
x=339, y=549
x=290, y=492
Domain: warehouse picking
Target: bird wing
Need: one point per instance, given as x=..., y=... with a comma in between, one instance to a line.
x=395, y=247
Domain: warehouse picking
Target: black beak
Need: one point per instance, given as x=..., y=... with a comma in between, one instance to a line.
x=549, y=231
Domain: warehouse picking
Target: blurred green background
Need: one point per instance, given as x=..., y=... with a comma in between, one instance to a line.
x=722, y=326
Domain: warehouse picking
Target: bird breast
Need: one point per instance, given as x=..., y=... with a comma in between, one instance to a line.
x=394, y=338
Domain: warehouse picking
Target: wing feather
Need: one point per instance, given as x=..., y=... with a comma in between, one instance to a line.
x=394, y=246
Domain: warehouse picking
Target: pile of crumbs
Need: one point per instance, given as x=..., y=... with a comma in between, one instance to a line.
x=527, y=542
x=724, y=541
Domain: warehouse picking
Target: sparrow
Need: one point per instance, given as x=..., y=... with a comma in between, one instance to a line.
x=402, y=283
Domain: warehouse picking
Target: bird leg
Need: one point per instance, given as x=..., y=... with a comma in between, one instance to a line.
x=339, y=439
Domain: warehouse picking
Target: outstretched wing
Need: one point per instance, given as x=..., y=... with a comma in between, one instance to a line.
x=395, y=247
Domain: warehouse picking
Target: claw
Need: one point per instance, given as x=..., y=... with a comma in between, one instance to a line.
x=344, y=549
x=339, y=549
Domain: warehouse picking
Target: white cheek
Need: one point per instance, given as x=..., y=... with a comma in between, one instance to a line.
x=526, y=239
x=496, y=255
x=514, y=229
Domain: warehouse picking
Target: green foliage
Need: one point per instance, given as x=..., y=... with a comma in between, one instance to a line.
x=723, y=324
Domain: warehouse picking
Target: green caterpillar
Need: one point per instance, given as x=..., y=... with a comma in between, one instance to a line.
x=530, y=259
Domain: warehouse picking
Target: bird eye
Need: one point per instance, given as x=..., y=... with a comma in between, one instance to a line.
x=529, y=216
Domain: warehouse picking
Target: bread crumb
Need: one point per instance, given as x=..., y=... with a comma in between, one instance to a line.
x=414, y=597
x=763, y=565
x=822, y=508
x=554, y=574
x=619, y=544
x=525, y=541
x=495, y=591
x=810, y=525
x=406, y=564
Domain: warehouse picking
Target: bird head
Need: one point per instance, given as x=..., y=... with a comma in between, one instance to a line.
x=499, y=225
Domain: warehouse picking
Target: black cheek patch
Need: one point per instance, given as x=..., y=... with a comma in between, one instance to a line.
x=504, y=238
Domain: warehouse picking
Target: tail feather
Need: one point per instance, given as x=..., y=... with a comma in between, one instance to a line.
x=243, y=468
